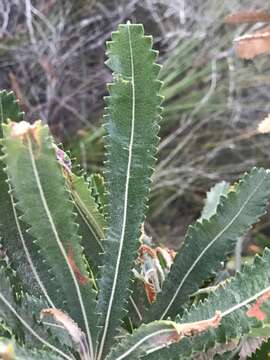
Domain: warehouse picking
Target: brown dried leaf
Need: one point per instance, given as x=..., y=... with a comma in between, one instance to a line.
x=83, y=280
x=195, y=328
x=254, y=44
x=248, y=17
x=77, y=335
x=23, y=130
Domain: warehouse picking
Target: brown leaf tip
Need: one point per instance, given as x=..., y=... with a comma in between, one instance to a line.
x=195, y=328
x=83, y=280
x=24, y=129
x=251, y=45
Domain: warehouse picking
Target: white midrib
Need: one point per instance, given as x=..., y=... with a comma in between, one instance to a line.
x=96, y=228
x=60, y=245
x=28, y=327
x=130, y=148
x=207, y=247
x=245, y=302
x=27, y=254
x=225, y=313
x=89, y=227
x=146, y=338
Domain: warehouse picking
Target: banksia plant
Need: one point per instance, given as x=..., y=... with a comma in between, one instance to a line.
x=79, y=278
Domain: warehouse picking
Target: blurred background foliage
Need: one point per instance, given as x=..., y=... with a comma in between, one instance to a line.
x=52, y=56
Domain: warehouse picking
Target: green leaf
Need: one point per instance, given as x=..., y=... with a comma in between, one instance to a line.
x=147, y=337
x=132, y=118
x=20, y=313
x=83, y=200
x=209, y=242
x=233, y=298
x=99, y=192
x=91, y=220
x=41, y=190
x=213, y=199
x=157, y=335
x=138, y=303
x=13, y=237
x=7, y=316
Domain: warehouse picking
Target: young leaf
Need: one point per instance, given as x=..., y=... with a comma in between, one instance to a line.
x=209, y=242
x=233, y=299
x=84, y=201
x=40, y=188
x=89, y=217
x=132, y=123
x=99, y=192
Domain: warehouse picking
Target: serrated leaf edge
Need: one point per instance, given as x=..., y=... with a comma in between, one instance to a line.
x=210, y=244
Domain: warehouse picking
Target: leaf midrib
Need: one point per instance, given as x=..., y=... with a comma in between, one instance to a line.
x=144, y=339
x=162, y=331
x=208, y=246
x=26, y=251
x=95, y=229
x=58, y=241
x=130, y=151
x=28, y=327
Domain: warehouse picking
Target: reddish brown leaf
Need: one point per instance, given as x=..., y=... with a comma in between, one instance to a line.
x=83, y=280
x=254, y=44
x=150, y=292
x=255, y=310
x=77, y=335
x=184, y=330
x=148, y=250
x=248, y=17
x=153, y=279
x=195, y=328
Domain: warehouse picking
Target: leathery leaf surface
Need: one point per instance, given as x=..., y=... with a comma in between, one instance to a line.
x=19, y=245
x=208, y=242
x=43, y=198
x=235, y=299
x=92, y=222
x=132, y=118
